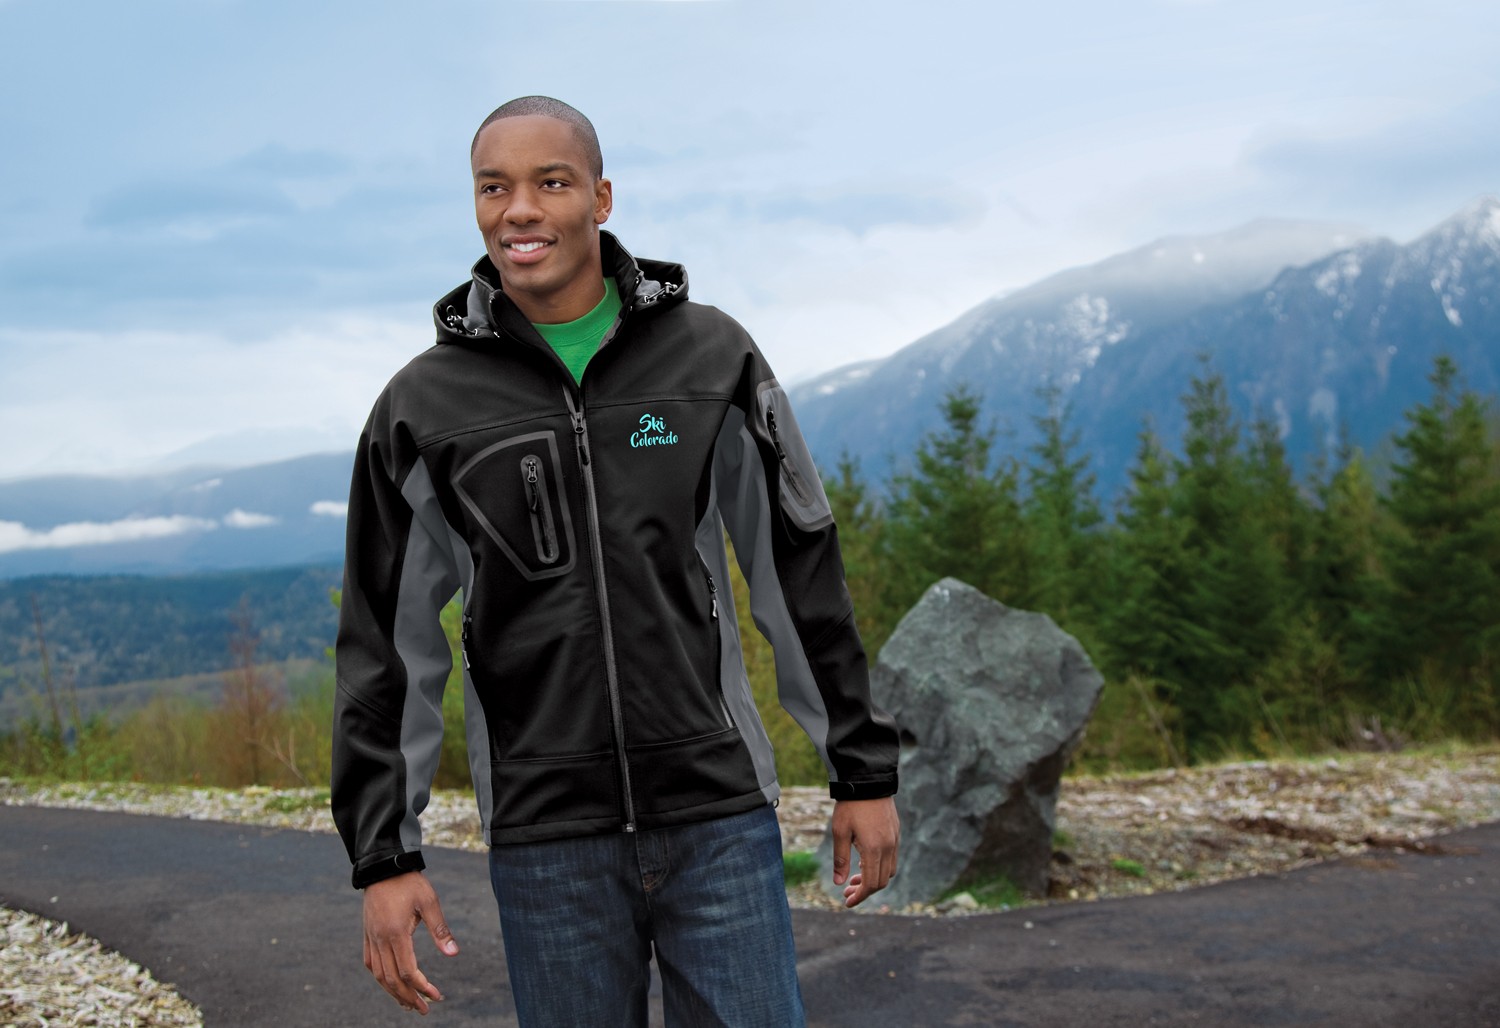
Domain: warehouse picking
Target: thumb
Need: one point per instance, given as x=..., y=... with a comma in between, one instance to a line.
x=841, y=839
x=432, y=917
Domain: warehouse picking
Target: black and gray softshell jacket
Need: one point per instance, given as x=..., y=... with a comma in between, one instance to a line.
x=604, y=687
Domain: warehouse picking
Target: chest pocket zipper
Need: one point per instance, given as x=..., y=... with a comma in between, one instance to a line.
x=542, y=529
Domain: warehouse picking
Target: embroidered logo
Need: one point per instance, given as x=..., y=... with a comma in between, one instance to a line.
x=653, y=432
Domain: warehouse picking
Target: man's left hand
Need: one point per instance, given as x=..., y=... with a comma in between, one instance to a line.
x=874, y=829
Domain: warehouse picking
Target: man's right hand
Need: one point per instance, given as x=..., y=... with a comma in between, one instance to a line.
x=393, y=909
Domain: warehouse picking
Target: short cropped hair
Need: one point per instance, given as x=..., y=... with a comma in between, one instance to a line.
x=547, y=107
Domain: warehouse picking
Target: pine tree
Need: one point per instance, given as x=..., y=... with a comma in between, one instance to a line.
x=861, y=526
x=1061, y=517
x=1236, y=610
x=1442, y=610
x=1149, y=582
x=1340, y=573
x=957, y=513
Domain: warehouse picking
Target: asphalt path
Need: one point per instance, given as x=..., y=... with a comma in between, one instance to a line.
x=259, y=927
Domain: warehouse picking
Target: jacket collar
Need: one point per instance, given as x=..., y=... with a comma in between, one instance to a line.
x=481, y=307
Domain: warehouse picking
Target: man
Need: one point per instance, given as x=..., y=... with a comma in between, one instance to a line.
x=569, y=455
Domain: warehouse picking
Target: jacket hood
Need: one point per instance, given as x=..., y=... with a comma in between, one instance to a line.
x=481, y=309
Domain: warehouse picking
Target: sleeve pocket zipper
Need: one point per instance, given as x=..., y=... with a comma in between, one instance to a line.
x=542, y=529
x=787, y=470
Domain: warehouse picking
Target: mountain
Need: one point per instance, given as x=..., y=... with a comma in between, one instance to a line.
x=1053, y=331
x=1316, y=326
x=284, y=513
x=1343, y=344
x=1319, y=327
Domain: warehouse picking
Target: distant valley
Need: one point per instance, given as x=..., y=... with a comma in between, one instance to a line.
x=113, y=638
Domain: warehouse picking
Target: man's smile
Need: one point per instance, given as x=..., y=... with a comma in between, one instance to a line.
x=525, y=251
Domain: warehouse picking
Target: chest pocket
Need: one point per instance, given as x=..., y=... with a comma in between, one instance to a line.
x=513, y=491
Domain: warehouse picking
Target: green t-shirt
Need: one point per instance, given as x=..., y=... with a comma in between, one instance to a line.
x=577, y=341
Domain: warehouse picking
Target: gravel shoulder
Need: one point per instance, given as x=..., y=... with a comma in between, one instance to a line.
x=1117, y=836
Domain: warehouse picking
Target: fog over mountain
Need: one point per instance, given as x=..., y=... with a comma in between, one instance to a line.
x=1317, y=327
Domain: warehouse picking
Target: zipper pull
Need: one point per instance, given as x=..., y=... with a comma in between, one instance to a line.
x=463, y=640
x=713, y=598
x=531, y=481
x=579, y=436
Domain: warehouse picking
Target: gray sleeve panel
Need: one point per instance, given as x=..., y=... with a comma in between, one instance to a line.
x=745, y=506
x=429, y=578
x=734, y=685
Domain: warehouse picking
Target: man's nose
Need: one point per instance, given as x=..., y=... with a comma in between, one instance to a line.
x=523, y=208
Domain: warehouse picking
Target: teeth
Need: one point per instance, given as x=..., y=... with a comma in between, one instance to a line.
x=526, y=247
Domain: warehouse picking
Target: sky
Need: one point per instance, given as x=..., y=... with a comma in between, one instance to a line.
x=223, y=224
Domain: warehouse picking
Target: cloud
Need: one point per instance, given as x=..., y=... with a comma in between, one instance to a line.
x=330, y=509
x=164, y=206
x=283, y=162
x=269, y=235
x=102, y=401
x=249, y=519
x=854, y=208
x=1453, y=152
x=16, y=536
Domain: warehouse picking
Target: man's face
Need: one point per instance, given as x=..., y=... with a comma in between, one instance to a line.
x=539, y=209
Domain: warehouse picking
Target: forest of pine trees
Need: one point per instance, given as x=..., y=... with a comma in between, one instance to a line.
x=1234, y=608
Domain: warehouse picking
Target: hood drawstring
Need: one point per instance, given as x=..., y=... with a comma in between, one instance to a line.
x=455, y=321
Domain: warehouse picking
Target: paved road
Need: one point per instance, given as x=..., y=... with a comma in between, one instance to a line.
x=259, y=927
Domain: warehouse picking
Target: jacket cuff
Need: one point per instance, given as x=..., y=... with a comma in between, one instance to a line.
x=871, y=788
x=388, y=867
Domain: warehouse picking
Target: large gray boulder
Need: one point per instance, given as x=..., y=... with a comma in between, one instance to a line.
x=991, y=702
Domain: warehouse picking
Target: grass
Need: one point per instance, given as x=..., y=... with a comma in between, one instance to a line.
x=997, y=893
x=798, y=868
x=1126, y=866
x=292, y=803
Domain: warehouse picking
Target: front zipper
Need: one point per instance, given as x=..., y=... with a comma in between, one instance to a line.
x=463, y=640
x=542, y=530
x=787, y=470
x=596, y=552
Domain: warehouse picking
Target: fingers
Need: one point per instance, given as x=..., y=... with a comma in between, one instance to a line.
x=874, y=829
x=875, y=873
x=395, y=968
x=392, y=910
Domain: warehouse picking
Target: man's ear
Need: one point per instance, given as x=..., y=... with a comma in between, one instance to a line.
x=604, y=200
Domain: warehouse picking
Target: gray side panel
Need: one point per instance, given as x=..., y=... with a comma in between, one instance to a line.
x=745, y=506
x=733, y=683
x=476, y=728
x=428, y=580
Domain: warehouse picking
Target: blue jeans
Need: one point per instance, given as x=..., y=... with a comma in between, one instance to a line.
x=580, y=918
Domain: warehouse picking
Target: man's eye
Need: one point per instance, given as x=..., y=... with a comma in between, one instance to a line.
x=554, y=183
